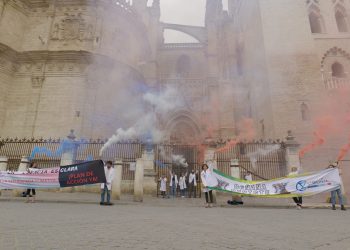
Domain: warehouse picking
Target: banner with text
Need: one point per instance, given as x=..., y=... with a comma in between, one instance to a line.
x=291, y=186
x=65, y=176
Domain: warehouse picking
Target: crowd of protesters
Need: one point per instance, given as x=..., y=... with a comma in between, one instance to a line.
x=185, y=185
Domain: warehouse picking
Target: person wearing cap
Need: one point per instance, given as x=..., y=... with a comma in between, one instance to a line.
x=336, y=192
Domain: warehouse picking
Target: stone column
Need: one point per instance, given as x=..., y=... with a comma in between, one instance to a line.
x=292, y=153
x=149, y=175
x=138, y=182
x=3, y=164
x=235, y=172
x=117, y=181
x=69, y=153
x=23, y=167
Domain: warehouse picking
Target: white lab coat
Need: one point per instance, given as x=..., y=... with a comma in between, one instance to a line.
x=192, y=178
x=109, y=178
x=248, y=177
x=171, y=180
x=182, y=182
x=163, y=184
x=208, y=179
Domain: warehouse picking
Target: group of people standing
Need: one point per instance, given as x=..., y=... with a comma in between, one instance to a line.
x=188, y=180
x=186, y=183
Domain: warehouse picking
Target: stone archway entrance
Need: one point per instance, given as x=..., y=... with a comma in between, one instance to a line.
x=183, y=128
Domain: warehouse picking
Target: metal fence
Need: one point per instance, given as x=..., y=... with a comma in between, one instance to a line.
x=265, y=160
x=47, y=152
x=165, y=162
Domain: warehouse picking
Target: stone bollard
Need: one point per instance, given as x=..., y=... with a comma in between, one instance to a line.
x=235, y=172
x=138, y=182
x=3, y=165
x=117, y=181
x=23, y=167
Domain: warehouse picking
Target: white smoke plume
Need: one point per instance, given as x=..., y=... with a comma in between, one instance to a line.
x=253, y=156
x=161, y=104
x=175, y=159
x=179, y=160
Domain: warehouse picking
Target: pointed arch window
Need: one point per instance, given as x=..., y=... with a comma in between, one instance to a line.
x=305, y=112
x=316, y=20
x=183, y=66
x=341, y=20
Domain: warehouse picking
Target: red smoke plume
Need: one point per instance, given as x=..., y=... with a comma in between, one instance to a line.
x=325, y=125
x=246, y=132
x=319, y=140
x=343, y=151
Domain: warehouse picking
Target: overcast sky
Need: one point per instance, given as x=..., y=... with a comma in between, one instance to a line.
x=190, y=12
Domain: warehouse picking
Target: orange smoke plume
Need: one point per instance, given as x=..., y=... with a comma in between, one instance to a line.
x=325, y=124
x=319, y=140
x=246, y=132
x=343, y=151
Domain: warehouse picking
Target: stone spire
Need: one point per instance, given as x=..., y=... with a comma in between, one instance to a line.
x=156, y=8
x=214, y=9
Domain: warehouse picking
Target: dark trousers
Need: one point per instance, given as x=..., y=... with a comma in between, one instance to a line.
x=191, y=188
x=28, y=192
x=298, y=200
x=103, y=192
x=162, y=193
x=209, y=196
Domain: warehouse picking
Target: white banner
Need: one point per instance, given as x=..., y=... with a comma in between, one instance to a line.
x=35, y=178
x=298, y=185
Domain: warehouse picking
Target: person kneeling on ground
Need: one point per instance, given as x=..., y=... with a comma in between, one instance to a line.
x=107, y=187
x=336, y=192
x=297, y=200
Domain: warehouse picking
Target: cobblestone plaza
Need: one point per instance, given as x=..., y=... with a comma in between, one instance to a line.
x=168, y=224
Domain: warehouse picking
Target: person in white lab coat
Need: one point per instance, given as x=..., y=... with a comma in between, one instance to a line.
x=192, y=184
x=163, y=181
x=173, y=183
x=182, y=184
x=205, y=177
x=248, y=176
x=107, y=187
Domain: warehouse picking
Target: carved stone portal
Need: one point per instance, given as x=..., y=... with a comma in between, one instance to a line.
x=73, y=27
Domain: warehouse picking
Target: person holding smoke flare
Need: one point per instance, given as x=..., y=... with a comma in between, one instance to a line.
x=173, y=183
x=336, y=192
x=205, y=177
x=182, y=184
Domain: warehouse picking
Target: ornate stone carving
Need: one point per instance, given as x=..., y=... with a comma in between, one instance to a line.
x=37, y=81
x=73, y=27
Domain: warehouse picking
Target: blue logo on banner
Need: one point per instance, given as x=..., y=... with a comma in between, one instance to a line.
x=301, y=186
